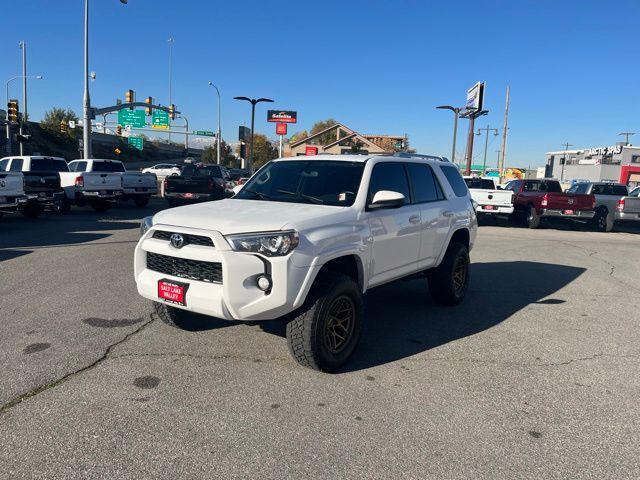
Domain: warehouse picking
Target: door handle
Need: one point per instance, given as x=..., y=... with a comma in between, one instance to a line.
x=415, y=219
x=447, y=213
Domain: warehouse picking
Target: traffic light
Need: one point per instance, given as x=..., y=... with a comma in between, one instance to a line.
x=13, y=110
x=130, y=97
x=172, y=111
x=149, y=101
x=63, y=126
x=119, y=130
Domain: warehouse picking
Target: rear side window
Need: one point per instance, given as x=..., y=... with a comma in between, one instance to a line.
x=107, y=167
x=3, y=164
x=579, y=188
x=78, y=166
x=16, y=165
x=49, y=165
x=455, y=180
x=481, y=183
x=618, y=190
x=423, y=183
x=552, y=187
x=389, y=176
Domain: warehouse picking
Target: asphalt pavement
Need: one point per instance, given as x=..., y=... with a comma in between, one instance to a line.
x=534, y=376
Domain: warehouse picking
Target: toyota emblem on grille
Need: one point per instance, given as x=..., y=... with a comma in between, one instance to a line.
x=177, y=240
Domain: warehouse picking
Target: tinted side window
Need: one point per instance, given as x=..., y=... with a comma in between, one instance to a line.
x=49, y=165
x=424, y=184
x=618, y=190
x=389, y=176
x=3, y=164
x=598, y=190
x=16, y=165
x=553, y=187
x=455, y=180
x=579, y=188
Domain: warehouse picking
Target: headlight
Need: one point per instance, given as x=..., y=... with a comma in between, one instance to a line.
x=146, y=224
x=270, y=244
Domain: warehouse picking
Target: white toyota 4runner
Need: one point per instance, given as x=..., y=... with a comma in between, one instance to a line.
x=305, y=238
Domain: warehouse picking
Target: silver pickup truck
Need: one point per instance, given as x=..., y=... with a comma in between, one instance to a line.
x=613, y=203
x=12, y=195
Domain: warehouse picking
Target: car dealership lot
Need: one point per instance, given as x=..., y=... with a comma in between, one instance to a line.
x=534, y=375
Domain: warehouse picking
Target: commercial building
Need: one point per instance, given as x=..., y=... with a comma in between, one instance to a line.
x=617, y=163
x=340, y=139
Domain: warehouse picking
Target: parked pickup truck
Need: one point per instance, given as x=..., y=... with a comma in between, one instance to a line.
x=308, y=236
x=136, y=186
x=42, y=185
x=538, y=199
x=12, y=195
x=489, y=200
x=613, y=203
x=97, y=189
x=196, y=183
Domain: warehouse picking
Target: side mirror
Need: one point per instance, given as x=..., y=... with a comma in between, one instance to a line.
x=387, y=199
x=499, y=187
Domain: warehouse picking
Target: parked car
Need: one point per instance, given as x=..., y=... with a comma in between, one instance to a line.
x=136, y=186
x=42, y=184
x=490, y=201
x=535, y=200
x=163, y=170
x=99, y=190
x=311, y=235
x=12, y=195
x=197, y=183
x=610, y=203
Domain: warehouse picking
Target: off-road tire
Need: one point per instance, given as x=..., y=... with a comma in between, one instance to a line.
x=31, y=210
x=63, y=207
x=602, y=221
x=444, y=283
x=172, y=316
x=532, y=218
x=141, y=202
x=306, y=332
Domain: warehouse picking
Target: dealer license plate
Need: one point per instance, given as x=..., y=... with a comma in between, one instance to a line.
x=190, y=195
x=569, y=212
x=489, y=207
x=173, y=292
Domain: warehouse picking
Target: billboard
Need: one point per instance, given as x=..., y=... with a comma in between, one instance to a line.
x=282, y=116
x=244, y=134
x=475, y=97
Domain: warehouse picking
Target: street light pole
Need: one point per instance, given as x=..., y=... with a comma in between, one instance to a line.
x=37, y=77
x=219, y=136
x=486, y=129
x=23, y=46
x=171, y=42
x=564, y=161
x=86, y=123
x=253, y=102
x=456, y=115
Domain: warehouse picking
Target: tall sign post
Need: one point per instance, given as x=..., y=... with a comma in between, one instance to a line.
x=281, y=118
x=475, y=100
x=504, y=136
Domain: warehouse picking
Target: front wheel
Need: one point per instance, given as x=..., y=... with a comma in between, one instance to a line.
x=603, y=221
x=325, y=332
x=448, y=283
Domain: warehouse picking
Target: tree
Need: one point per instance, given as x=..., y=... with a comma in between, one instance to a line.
x=208, y=155
x=53, y=118
x=298, y=136
x=323, y=125
x=264, y=150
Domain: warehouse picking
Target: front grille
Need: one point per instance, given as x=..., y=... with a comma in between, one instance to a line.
x=184, y=268
x=188, y=238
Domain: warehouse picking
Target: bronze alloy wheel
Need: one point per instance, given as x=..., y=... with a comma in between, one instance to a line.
x=459, y=275
x=340, y=323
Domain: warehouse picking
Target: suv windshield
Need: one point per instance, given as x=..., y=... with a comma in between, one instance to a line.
x=322, y=182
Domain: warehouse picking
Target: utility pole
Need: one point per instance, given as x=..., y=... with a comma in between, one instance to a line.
x=23, y=46
x=498, y=162
x=86, y=111
x=504, y=135
x=486, y=129
x=564, y=160
x=219, y=135
x=171, y=42
x=626, y=135
x=472, y=115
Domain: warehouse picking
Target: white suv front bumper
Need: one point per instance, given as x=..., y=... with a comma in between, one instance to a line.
x=234, y=296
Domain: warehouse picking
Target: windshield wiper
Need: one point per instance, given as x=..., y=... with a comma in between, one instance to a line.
x=302, y=195
x=262, y=196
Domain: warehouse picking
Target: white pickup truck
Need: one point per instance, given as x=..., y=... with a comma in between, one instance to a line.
x=134, y=186
x=489, y=199
x=308, y=236
x=12, y=195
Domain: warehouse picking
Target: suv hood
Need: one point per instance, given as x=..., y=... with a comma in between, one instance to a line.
x=231, y=216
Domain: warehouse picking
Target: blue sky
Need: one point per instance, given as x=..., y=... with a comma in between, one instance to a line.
x=377, y=66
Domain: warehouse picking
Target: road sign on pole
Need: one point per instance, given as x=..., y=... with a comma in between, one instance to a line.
x=136, y=142
x=132, y=118
x=281, y=128
x=205, y=133
x=160, y=119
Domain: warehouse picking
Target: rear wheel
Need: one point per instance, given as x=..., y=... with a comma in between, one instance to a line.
x=603, y=220
x=62, y=207
x=141, y=201
x=326, y=330
x=533, y=219
x=448, y=283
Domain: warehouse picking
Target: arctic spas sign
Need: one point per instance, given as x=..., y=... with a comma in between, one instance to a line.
x=614, y=150
x=282, y=116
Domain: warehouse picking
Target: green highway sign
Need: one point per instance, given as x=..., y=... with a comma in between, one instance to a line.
x=136, y=142
x=160, y=119
x=206, y=133
x=132, y=118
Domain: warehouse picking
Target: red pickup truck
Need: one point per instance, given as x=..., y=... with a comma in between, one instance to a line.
x=538, y=199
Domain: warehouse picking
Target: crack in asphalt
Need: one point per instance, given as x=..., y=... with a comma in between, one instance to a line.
x=226, y=356
x=530, y=364
x=43, y=388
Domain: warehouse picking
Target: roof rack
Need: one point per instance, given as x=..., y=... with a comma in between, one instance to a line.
x=418, y=155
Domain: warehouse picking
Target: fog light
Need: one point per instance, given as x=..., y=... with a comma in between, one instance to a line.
x=264, y=283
